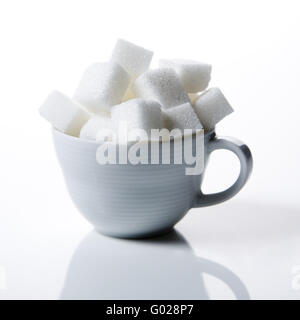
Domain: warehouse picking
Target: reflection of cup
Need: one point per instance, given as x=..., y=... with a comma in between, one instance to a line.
x=134, y=201
x=160, y=268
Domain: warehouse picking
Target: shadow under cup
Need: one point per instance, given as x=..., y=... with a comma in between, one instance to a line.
x=142, y=200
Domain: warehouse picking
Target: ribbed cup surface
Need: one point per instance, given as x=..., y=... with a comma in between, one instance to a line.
x=124, y=200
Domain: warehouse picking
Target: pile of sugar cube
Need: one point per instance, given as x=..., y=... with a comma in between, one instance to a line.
x=172, y=96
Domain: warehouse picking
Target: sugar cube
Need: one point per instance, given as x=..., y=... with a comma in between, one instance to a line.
x=162, y=85
x=96, y=123
x=193, y=75
x=128, y=95
x=181, y=117
x=102, y=86
x=212, y=107
x=193, y=97
x=64, y=114
x=138, y=114
x=134, y=59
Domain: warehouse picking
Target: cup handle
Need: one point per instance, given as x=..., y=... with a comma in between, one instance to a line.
x=244, y=154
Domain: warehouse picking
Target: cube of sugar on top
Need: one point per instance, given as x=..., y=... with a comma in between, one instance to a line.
x=94, y=125
x=63, y=113
x=102, y=86
x=212, y=107
x=162, y=85
x=193, y=97
x=128, y=95
x=181, y=117
x=193, y=75
x=138, y=114
x=134, y=59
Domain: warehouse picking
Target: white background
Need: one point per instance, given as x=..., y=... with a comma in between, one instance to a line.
x=255, y=52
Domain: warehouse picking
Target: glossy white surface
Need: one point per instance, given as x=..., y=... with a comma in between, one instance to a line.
x=247, y=248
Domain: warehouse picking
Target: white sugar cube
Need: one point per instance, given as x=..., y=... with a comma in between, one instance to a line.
x=162, y=85
x=94, y=125
x=137, y=114
x=193, y=97
x=102, y=86
x=212, y=107
x=128, y=95
x=134, y=59
x=181, y=117
x=63, y=113
x=193, y=75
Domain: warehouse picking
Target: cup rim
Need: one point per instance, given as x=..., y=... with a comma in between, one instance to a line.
x=207, y=133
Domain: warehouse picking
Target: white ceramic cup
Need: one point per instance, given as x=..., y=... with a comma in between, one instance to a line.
x=144, y=200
